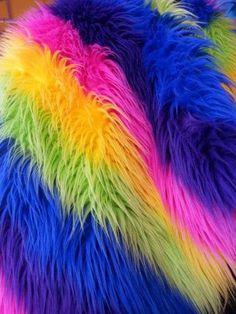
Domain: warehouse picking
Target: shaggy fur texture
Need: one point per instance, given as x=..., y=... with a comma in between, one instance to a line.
x=221, y=30
x=169, y=6
x=201, y=9
x=98, y=203
x=118, y=24
x=182, y=206
x=229, y=7
x=82, y=147
x=193, y=116
x=191, y=222
x=58, y=266
x=8, y=303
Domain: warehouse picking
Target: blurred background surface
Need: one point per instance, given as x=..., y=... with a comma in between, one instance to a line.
x=10, y=9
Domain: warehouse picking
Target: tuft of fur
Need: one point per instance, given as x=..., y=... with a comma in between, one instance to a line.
x=170, y=6
x=120, y=25
x=8, y=303
x=221, y=30
x=201, y=9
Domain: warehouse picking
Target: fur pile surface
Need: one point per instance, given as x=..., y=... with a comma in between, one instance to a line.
x=118, y=158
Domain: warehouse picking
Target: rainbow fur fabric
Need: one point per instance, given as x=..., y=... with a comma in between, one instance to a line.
x=118, y=159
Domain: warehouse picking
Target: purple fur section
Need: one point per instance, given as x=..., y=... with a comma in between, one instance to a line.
x=202, y=9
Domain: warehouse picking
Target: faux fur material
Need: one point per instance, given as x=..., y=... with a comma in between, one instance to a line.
x=118, y=24
x=202, y=9
x=97, y=168
x=81, y=145
x=220, y=29
x=193, y=116
x=169, y=6
x=8, y=303
x=184, y=208
x=116, y=156
x=228, y=6
x=213, y=110
x=57, y=265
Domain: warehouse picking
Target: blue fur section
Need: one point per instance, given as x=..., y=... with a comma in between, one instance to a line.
x=201, y=9
x=206, y=12
x=193, y=117
x=58, y=266
x=120, y=25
